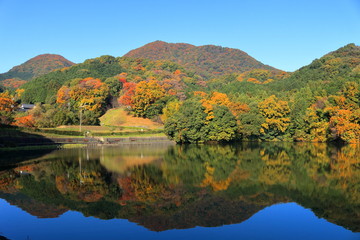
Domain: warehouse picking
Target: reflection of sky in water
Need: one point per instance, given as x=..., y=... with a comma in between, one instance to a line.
x=282, y=221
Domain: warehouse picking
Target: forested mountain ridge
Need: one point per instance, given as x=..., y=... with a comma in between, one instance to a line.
x=34, y=67
x=45, y=87
x=326, y=75
x=208, y=61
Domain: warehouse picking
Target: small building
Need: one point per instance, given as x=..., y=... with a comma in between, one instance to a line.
x=26, y=107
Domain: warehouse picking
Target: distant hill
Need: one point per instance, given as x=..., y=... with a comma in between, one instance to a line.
x=208, y=61
x=34, y=67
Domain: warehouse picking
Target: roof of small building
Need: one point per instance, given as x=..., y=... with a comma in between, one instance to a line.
x=24, y=105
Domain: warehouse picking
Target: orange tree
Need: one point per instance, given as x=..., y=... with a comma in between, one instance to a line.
x=344, y=120
x=146, y=94
x=335, y=117
x=7, y=107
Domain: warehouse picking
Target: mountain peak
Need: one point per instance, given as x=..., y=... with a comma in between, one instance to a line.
x=347, y=50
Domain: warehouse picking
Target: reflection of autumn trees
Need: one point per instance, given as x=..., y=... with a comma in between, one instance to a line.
x=148, y=187
x=318, y=176
x=210, y=181
x=277, y=167
x=89, y=187
x=8, y=181
x=345, y=170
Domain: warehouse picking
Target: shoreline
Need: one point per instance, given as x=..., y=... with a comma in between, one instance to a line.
x=18, y=142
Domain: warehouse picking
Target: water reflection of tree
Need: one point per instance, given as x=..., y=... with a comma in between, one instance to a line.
x=321, y=177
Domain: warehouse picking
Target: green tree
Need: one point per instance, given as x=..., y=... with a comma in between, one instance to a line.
x=223, y=126
x=250, y=122
x=191, y=123
x=188, y=124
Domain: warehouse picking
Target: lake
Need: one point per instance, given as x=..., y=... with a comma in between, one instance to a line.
x=163, y=191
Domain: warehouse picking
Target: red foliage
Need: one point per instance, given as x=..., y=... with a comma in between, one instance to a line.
x=91, y=83
x=129, y=92
x=13, y=83
x=26, y=121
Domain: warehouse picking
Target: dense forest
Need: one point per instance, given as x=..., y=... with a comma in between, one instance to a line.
x=207, y=61
x=319, y=102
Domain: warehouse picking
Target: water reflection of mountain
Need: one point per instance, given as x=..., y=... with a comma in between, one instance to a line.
x=32, y=206
x=166, y=187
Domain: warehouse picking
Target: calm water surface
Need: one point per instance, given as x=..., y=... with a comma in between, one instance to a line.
x=248, y=191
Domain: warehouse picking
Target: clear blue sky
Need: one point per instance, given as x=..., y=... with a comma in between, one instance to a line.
x=285, y=34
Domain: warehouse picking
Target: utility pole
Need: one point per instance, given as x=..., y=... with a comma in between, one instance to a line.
x=80, y=108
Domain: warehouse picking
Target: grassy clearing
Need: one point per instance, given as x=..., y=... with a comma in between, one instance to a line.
x=118, y=117
x=113, y=117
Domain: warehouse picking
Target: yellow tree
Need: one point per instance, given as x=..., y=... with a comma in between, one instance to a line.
x=317, y=125
x=221, y=99
x=146, y=94
x=170, y=109
x=276, y=114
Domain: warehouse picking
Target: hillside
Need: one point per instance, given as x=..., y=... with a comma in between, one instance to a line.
x=329, y=72
x=208, y=61
x=37, y=66
x=45, y=87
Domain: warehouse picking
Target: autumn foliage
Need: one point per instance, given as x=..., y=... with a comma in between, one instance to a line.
x=7, y=103
x=88, y=93
x=25, y=121
x=7, y=107
x=128, y=93
x=276, y=114
x=146, y=94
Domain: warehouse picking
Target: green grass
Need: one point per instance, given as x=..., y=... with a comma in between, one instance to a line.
x=113, y=117
x=69, y=146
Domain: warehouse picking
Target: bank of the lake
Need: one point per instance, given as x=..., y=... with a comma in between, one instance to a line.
x=17, y=137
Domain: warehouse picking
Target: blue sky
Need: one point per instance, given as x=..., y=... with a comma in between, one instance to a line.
x=282, y=33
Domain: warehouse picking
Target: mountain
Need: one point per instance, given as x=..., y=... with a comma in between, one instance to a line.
x=34, y=67
x=208, y=61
